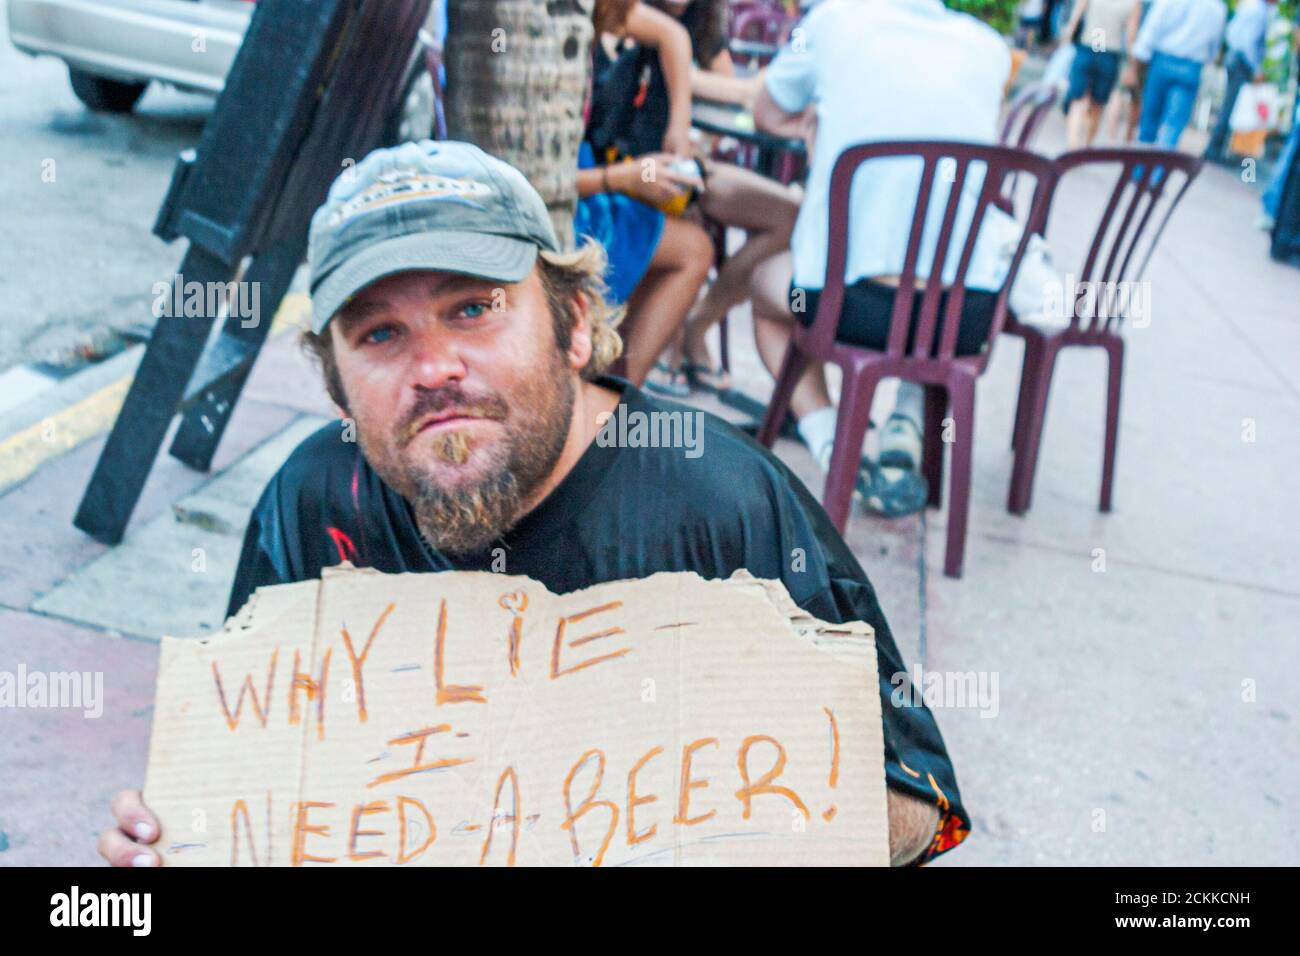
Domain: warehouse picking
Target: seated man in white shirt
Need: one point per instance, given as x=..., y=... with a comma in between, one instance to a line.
x=878, y=70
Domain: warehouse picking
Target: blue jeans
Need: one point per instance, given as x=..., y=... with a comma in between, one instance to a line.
x=1167, y=101
x=1273, y=192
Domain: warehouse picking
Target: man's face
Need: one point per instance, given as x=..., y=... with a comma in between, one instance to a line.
x=461, y=395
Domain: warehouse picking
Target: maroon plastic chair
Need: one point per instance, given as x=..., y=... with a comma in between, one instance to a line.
x=1117, y=256
x=1020, y=125
x=764, y=26
x=1025, y=114
x=949, y=379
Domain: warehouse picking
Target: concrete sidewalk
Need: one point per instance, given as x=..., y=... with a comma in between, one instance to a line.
x=1146, y=660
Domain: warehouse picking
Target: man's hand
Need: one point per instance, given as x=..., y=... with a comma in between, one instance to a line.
x=912, y=823
x=126, y=844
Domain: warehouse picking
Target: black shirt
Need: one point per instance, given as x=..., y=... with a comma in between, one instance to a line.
x=622, y=512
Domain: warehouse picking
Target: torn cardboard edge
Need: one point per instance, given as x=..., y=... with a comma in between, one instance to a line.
x=309, y=764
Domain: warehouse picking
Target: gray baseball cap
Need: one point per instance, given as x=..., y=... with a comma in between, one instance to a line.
x=427, y=206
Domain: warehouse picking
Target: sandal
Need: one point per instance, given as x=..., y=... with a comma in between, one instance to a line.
x=718, y=379
x=675, y=385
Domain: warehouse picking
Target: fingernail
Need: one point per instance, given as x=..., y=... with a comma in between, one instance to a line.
x=143, y=830
x=142, y=859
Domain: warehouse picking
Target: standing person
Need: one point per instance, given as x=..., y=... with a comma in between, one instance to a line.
x=1126, y=106
x=1272, y=197
x=1244, y=62
x=1177, y=39
x=857, y=63
x=1098, y=55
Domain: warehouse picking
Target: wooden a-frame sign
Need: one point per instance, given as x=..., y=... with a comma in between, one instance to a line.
x=312, y=86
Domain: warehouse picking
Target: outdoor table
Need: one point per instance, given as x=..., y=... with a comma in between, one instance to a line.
x=754, y=50
x=728, y=119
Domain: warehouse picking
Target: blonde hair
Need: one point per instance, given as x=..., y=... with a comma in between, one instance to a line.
x=565, y=277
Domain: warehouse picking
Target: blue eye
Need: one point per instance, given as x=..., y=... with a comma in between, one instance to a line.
x=380, y=335
x=473, y=310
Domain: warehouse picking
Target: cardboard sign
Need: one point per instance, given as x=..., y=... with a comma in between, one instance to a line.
x=470, y=718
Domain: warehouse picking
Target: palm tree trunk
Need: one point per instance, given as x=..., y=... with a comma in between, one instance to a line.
x=516, y=81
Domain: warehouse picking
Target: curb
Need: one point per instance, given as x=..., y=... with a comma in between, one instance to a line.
x=69, y=412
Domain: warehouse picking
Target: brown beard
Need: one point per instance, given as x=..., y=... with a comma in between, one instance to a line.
x=465, y=519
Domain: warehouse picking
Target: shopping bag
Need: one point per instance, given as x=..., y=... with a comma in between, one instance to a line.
x=1256, y=108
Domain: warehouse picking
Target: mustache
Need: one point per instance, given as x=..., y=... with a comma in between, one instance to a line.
x=432, y=401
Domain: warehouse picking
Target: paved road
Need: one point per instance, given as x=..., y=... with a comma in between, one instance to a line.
x=78, y=256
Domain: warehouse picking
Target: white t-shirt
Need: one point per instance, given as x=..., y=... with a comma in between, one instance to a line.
x=881, y=70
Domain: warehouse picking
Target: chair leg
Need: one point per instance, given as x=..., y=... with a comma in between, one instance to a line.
x=724, y=354
x=962, y=396
x=792, y=367
x=936, y=404
x=1028, y=369
x=1030, y=438
x=856, y=392
x=1114, y=378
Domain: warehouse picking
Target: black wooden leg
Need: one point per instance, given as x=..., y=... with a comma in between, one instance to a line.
x=169, y=360
x=241, y=339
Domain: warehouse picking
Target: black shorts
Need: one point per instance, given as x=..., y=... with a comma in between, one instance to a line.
x=869, y=307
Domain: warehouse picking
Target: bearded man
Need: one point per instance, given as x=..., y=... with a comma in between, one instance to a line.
x=466, y=353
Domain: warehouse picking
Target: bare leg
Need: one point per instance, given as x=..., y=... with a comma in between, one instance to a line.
x=766, y=210
x=1092, y=120
x=1075, y=123
x=772, y=322
x=665, y=294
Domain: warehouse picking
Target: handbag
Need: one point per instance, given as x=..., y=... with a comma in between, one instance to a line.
x=629, y=104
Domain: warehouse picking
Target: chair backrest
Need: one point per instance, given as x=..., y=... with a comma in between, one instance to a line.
x=1148, y=186
x=761, y=23
x=951, y=162
x=1025, y=114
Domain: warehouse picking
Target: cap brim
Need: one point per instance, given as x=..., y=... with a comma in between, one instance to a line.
x=491, y=257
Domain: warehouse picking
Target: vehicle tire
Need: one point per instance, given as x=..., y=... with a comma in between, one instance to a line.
x=103, y=95
x=414, y=117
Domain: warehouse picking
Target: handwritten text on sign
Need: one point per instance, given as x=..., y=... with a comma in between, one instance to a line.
x=472, y=718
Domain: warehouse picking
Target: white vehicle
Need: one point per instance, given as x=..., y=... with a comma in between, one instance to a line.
x=115, y=48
